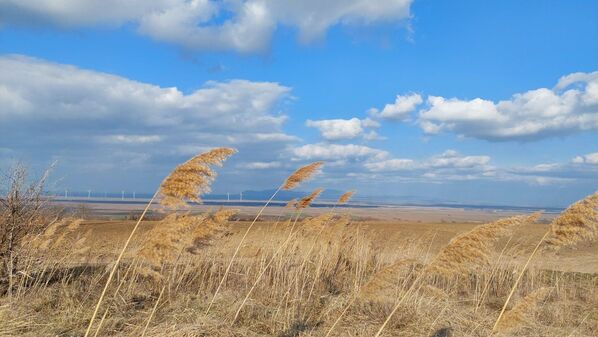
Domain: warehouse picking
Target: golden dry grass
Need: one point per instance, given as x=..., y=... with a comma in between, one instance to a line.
x=299, y=293
x=322, y=275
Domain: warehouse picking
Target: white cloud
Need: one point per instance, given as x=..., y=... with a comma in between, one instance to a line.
x=67, y=13
x=275, y=137
x=188, y=24
x=400, y=109
x=572, y=106
x=53, y=92
x=590, y=158
x=198, y=24
x=580, y=168
x=262, y=165
x=130, y=139
x=334, y=152
x=84, y=116
x=452, y=166
x=337, y=129
x=449, y=160
x=392, y=165
x=453, y=159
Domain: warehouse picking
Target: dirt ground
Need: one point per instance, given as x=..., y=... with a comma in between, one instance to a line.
x=388, y=227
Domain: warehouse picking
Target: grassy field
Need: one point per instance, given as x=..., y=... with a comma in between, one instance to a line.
x=302, y=288
x=293, y=271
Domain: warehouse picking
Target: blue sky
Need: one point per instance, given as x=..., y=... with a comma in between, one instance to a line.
x=473, y=102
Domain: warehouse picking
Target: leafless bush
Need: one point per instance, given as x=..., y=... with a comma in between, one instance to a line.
x=21, y=215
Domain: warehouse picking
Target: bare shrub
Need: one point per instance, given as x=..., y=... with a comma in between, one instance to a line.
x=21, y=215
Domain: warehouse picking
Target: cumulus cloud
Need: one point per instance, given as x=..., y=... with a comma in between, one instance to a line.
x=450, y=159
x=130, y=139
x=590, y=158
x=337, y=152
x=395, y=164
x=260, y=165
x=572, y=106
x=35, y=91
x=580, y=168
x=338, y=129
x=241, y=25
x=400, y=109
x=453, y=166
x=84, y=117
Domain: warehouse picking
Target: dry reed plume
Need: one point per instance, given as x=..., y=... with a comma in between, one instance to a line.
x=577, y=223
x=308, y=199
x=344, y=198
x=523, y=310
x=213, y=227
x=54, y=235
x=318, y=223
x=472, y=249
x=192, y=178
x=291, y=204
x=178, y=233
x=385, y=281
x=300, y=175
x=168, y=237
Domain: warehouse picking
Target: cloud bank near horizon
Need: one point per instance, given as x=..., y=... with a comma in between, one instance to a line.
x=97, y=122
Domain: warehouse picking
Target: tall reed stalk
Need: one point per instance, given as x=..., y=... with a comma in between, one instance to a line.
x=291, y=182
x=302, y=204
x=114, y=267
x=186, y=181
x=464, y=252
x=579, y=222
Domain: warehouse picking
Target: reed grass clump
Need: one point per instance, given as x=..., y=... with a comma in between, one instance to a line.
x=325, y=274
x=577, y=223
x=54, y=236
x=292, y=181
x=186, y=181
x=212, y=228
x=388, y=280
x=168, y=238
